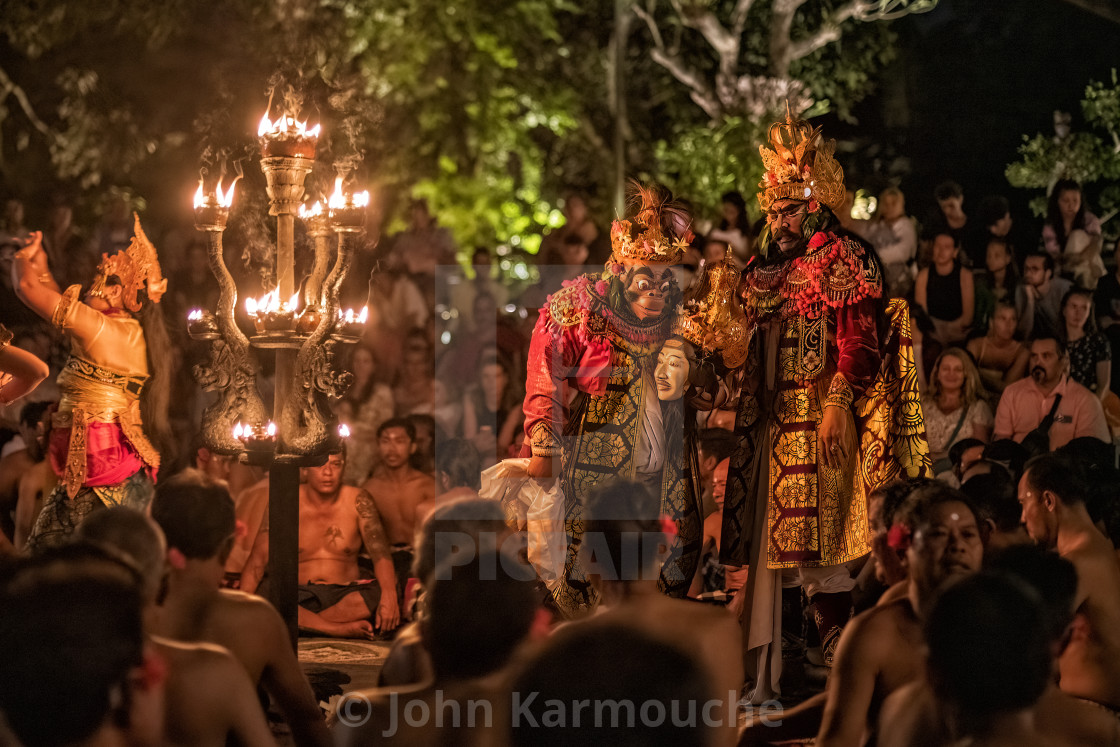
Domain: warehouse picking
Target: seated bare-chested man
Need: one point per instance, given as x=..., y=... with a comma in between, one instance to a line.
x=1056, y=517
x=881, y=649
x=251, y=507
x=209, y=696
x=913, y=716
x=38, y=481
x=335, y=522
x=16, y=463
x=197, y=518
x=399, y=491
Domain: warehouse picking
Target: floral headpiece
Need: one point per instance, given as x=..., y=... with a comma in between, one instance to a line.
x=137, y=267
x=711, y=318
x=800, y=165
x=648, y=237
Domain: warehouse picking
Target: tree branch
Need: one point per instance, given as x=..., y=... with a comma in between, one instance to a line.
x=699, y=90
x=781, y=44
x=739, y=17
x=11, y=89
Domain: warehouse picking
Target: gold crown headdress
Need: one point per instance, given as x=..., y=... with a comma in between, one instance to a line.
x=137, y=268
x=800, y=165
x=711, y=318
x=659, y=231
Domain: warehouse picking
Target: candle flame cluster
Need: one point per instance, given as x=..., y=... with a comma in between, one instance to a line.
x=349, y=317
x=286, y=126
x=220, y=197
x=270, y=303
x=340, y=200
x=343, y=430
x=244, y=432
x=194, y=315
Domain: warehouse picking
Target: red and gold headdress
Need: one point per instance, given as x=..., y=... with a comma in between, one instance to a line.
x=800, y=165
x=137, y=268
x=711, y=317
x=657, y=234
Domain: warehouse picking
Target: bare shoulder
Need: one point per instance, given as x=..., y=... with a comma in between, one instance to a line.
x=248, y=606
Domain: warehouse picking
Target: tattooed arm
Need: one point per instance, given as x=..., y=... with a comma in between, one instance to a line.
x=373, y=537
x=258, y=559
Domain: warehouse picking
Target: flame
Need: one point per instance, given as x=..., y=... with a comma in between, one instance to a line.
x=225, y=199
x=239, y=431
x=312, y=212
x=199, y=196
x=338, y=199
x=285, y=125
x=343, y=430
x=194, y=315
x=361, y=199
x=271, y=429
x=364, y=315
x=349, y=317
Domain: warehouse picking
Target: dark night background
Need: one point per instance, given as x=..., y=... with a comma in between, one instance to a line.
x=971, y=78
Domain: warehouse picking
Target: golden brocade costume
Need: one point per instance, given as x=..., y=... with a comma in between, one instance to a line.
x=98, y=446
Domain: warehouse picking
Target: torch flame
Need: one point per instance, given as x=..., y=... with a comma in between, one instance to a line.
x=225, y=199
x=194, y=315
x=271, y=430
x=362, y=317
x=239, y=431
x=338, y=199
x=312, y=212
x=199, y=196
x=361, y=199
x=286, y=124
x=343, y=430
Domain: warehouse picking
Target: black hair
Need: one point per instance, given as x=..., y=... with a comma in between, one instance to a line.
x=717, y=442
x=32, y=412
x=916, y=512
x=403, y=423
x=895, y=494
x=452, y=522
x=993, y=494
x=989, y=648
x=1047, y=260
x=1054, y=211
x=458, y=459
x=992, y=208
x=132, y=534
x=625, y=667
x=1051, y=575
x=1058, y=473
x=948, y=189
x=615, y=513
x=957, y=450
x=71, y=632
x=1008, y=452
x=481, y=605
x=195, y=513
x=743, y=222
x=1058, y=341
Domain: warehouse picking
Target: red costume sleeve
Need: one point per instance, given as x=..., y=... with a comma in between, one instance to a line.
x=858, y=354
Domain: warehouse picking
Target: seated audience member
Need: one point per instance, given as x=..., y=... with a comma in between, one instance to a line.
x=1056, y=517
x=1000, y=358
x=888, y=559
x=949, y=217
x=73, y=635
x=481, y=605
x=945, y=291
x=399, y=491
x=1072, y=234
x=895, y=239
x=1009, y=454
x=963, y=454
x=626, y=580
x=1049, y=406
x=15, y=463
x=989, y=663
x=996, y=283
x=1039, y=298
x=454, y=522
x=1090, y=355
x=197, y=519
x=492, y=411
x=954, y=407
x=458, y=474
x=427, y=435
x=881, y=649
x=997, y=508
x=713, y=446
x=336, y=521
x=38, y=481
x=1106, y=296
x=209, y=696
x=616, y=669
x=251, y=509
x=715, y=581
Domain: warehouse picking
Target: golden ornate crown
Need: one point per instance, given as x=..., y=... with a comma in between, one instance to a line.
x=711, y=317
x=646, y=237
x=800, y=165
x=137, y=268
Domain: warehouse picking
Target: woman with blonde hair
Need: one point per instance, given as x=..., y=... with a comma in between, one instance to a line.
x=954, y=407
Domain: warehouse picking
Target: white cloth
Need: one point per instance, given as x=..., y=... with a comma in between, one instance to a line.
x=539, y=508
x=649, y=456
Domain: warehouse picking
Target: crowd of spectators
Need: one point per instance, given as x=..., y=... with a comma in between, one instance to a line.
x=1013, y=337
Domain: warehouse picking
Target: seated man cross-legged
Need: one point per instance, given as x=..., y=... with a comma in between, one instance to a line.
x=335, y=522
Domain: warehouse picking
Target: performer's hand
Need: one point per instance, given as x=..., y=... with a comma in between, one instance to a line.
x=830, y=436
x=388, y=613
x=542, y=467
x=32, y=251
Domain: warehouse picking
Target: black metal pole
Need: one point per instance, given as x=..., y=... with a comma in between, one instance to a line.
x=283, y=543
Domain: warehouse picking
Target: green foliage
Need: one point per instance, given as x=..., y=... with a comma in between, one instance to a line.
x=1086, y=157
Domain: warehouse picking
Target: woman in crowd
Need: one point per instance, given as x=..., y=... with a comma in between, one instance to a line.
x=1001, y=359
x=1090, y=355
x=954, y=408
x=492, y=409
x=735, y=227
x=1072, y=234
x=946, y=292
x=895, y=239
x=370, y=403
